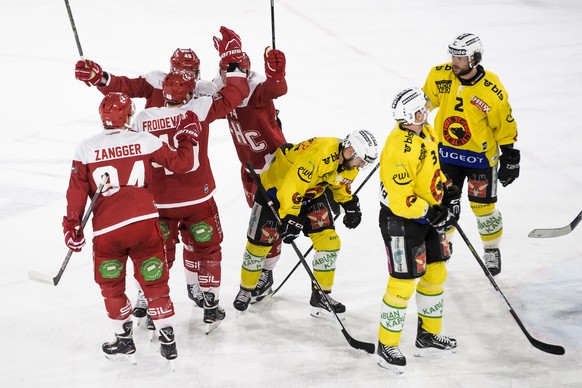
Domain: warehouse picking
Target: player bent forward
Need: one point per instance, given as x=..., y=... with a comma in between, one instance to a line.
x=296, y=180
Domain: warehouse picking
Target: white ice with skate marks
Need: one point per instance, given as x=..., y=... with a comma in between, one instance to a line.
x=54, y=334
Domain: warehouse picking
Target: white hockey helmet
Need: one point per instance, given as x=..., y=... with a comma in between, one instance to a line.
x=364, y=145
x=467, y=45
x=407, y=102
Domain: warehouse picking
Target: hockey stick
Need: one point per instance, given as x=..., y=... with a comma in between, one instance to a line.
x=556, y=232
x=47, y=279
x=366, y=346
x=273, y=22
x=334, y=218
x=544, y=347
x=74, y=30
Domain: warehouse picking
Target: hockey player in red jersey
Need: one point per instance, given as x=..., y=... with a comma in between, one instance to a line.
x=256, y=133
x=148, y=86
x=125, y=218
x=185, y=201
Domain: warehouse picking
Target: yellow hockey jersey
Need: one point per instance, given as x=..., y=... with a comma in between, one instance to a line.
x=473, y=119
x=410, y=173
x=302, y=171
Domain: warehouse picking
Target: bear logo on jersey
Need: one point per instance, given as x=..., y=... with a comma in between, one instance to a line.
x=456, y=131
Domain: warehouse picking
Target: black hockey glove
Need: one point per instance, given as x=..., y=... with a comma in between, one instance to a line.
x=439, y=217
x=508, y=165
x=290, y=228
x=353, y=215
x=452, y=200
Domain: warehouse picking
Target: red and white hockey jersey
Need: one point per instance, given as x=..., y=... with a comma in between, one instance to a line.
x=197, y=185
x=127, y=157
x=253, y=124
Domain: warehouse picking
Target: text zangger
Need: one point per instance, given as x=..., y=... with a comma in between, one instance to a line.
x=117, y=152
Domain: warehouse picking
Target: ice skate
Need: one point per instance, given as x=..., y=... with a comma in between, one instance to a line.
x=150, y=326
x=168, y=343
x=242, y=300
x=432, y=344
x=391, y=358
x=195, y=294
x=320, y=309
x=213, y=313
x=264, y=287
x=140, y=308
x=492, y=259
x=123, y=348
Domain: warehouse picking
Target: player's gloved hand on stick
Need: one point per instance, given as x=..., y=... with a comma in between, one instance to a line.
x=290, y=228
x=353, y=215
x=508, y=165
x=229, y=47
x=452, y=200
x=88, y=72
x=74, y=238
x=439, y=217
x=188, y=128
x=274, y=64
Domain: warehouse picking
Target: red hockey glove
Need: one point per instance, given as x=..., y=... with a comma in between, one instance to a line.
x=188, y=128
x=229, y=47
x=74, y=238
x=353, y=215
x=290, y=228
x=88, y=72
x=274, y=64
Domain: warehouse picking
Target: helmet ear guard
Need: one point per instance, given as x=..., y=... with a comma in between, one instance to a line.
x=115, y=108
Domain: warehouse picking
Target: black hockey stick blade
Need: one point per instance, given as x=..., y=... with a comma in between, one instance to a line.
x=544, y=347
x=354, y=343
x=556, y=232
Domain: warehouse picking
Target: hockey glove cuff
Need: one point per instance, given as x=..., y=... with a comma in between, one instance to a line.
x=439, y=217
x=508, y=165
x=74, y=238
x=88, y=72
x=188, y=128
x=290, y=228
x=353, y=215
x=452, y=200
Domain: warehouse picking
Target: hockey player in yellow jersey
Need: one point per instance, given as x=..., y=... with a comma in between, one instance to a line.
x=296, y=180
x=476, y=132
x=414, y=215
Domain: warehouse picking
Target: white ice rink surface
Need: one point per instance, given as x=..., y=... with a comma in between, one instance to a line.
x=346, y=60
